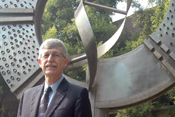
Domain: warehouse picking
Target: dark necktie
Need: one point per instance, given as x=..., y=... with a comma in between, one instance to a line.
x=44, y=102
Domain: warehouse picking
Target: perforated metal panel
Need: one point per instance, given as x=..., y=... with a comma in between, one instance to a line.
x=19, y=52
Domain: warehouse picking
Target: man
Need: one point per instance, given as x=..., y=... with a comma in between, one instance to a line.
x=59, y=97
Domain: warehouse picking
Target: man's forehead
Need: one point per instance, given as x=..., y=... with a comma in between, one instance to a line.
x=55, y=50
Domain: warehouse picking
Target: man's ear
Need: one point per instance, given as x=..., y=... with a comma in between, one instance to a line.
x=39, y=62
x=66, y=60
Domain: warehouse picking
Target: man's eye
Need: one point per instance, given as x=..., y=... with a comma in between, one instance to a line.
x=46, y=55
x=55, y=55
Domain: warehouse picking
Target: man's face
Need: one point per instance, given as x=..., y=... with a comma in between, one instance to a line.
x=52, y=62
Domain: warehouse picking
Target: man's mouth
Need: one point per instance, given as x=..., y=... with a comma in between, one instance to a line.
x=50, y=65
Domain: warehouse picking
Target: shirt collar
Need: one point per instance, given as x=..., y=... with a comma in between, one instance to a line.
x=54, y=86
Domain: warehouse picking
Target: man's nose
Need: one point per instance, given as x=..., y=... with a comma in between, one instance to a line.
x=50, y=58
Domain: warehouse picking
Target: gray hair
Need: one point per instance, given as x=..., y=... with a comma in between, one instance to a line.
x=52, y=43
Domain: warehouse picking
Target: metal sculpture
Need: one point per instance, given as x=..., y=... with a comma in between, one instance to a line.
x=119, y=82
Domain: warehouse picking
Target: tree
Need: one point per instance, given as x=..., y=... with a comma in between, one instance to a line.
x=51, y=33
x=60, y=14
x=144, y=110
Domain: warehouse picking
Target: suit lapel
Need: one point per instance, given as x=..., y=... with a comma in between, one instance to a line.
x=57, y=98
x=36, y=100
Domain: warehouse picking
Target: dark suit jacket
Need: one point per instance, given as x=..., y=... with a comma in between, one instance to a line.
x=69, y=101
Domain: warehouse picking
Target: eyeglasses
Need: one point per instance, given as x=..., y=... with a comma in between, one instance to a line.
x=54, y=55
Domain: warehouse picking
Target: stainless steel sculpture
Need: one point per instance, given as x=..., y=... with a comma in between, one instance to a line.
x=119, y=82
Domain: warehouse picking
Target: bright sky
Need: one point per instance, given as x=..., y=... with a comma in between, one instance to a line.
x=122, y=6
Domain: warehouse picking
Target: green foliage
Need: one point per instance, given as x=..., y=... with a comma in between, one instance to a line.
x=159, y=14
x=59, y=22
x=144, y=110
x=51, y=33
x=58, y=13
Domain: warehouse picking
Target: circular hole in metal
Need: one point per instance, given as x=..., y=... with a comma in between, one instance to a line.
x=15, y=59
x=17, y=45
x=26, y=63
x=15, y=5
x=19, y=52
x=24, y=72
x=20, y=60
x=3, y=28
x=6, y=6
x=2, y=52
x=12, y=48
x=18, y=65
x=24, y=58
x=9, y=27
x=8, y=71
x=18, y=79
x=14, y=70
x=19, y=73
x=18, y=31
x=3, y=58
x=9, y=32
x=8, y=51
x=171, y=44
x=3, y=73
x=15, y=35
x=23, y=52
x=16, y=40
x=5, y=43
x=12, y=63
x=3, y=36
x=11, y=2
x=21, y=42
x=13, y=30
x=21, y=5
x=7, y=65
x=14, y=53
x=11, y=43
x=11, y=57
x=11, y=77
x=1, y=67
x=8, y=81
x=12, y=85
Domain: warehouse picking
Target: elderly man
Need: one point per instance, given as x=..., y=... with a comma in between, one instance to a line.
x=56, y=97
